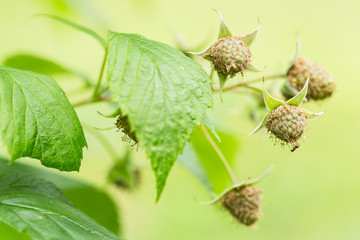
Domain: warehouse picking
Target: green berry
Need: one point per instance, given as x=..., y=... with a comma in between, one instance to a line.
x=321, y=84
x=244, y=204
x=287, y=123
x=230, y=55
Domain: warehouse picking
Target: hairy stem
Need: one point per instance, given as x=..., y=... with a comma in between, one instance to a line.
x=245, y=83
x=220, y=154
x=97, y=93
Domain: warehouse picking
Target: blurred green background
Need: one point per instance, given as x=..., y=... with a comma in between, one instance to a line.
x=313, y=193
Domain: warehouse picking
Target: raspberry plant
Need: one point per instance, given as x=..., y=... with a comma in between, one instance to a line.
x=161, y=98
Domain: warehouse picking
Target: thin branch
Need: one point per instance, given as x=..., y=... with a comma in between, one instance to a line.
x=91, y=100
x=245, y=83
x=258, y=90
x=220, y=154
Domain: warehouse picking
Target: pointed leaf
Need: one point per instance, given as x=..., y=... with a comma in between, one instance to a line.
x=299, y=98
x=224, y=30
x=260, y=126
x=249, y=38
x=78, y=27
x=38, y=121
x=271, y=102
x=311, y=115
x=38, y=208
x=161, y=91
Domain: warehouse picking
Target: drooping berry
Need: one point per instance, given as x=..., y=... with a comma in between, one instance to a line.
x=243, y=203
x=230, y=55
x=122, y=123
x=287, y=123
x=321, y=84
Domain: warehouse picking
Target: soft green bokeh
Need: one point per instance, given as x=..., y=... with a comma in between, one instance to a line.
x=312, y=193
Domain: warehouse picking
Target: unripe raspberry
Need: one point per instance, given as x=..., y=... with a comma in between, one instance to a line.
x=287, y=123
x=321, y=84
x=230, y=55
x=244, y=204
x=122, y=123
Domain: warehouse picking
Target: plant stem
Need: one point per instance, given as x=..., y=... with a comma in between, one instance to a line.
x=253, y=88
x=220, y=154
x=91, y=100
x=245, y=83
x=96, y=93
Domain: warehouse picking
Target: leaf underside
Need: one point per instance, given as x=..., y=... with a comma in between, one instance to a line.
x=38, y=208
x=163, y=93
x=38, y=121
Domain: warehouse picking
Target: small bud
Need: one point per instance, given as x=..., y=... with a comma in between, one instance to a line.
x=243, y=203
x=287, y=123
x=230, y=55
x=122, y=123
x=321, y=84
x=124, y=174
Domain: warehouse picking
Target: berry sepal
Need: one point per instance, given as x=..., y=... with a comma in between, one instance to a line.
x=230, y=54
x=242, y=200
x=246, y=182
x=286, y=120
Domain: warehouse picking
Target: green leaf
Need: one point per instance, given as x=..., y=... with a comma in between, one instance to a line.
x=78, y=27
x=42, y=65
x=271, y=102
x=35, y=64
x=38, y=208
x=163, y=93
x=207, y=122
x=9, y=233
x=209, y=159
x=92, y=201
x=189, y=160
x=299, y=98
x=38, y=121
